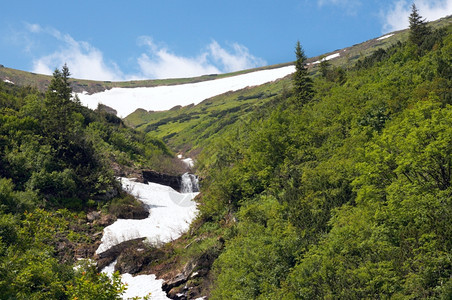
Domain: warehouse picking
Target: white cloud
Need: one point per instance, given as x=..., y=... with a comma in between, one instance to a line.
x=159, y=62
x=84, y=61
x=163, y=64
x=35, y=28
x=87, y=62
x=397, y=17
x=240, y=59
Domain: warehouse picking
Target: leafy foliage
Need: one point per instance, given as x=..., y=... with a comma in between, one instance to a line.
x=347, y=196
x=56, y=155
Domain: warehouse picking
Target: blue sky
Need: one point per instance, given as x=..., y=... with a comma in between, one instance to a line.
x=136, y=39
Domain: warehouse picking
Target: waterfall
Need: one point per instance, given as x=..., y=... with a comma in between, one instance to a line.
x=189, y=183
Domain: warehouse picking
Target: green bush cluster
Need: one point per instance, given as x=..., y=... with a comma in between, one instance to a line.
x=346, y=197
x=55, y=155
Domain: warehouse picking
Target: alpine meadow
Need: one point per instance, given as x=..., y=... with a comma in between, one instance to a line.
x=333, y=182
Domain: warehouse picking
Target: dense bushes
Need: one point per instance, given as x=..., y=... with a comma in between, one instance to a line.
x=347, y=197
x=56, y=154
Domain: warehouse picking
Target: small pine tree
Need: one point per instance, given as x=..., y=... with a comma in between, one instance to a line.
x=301, y=80
x=418, y=27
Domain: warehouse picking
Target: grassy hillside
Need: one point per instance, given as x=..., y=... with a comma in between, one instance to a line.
x=191, y=128
x=345, y=196
x=348, y=56
x=41, y=82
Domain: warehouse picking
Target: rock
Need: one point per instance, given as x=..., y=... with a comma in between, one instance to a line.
x=94, y=215
x=160, y=178
x=175, y=281
x=177, y=293
x=107, y=257
x=105, y=220
x=133, y=212
x=181, y=286
x=106, y=109
x=134, y=258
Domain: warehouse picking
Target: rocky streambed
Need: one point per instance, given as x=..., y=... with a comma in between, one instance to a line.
x=130, y=245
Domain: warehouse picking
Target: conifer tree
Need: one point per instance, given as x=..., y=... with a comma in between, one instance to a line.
x=418, y=27
x=301, y=80
x=58, y=104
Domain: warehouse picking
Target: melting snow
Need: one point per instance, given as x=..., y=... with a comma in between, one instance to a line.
x=127, y=100
x=8, y=81
x=170, y=216
x=385, y=37
x=327, y=58
x=140, y=285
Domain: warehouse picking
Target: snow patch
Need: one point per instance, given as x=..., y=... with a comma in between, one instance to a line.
x=140, y=285
x=8, y=81
x=385, y=37
x=170, y=216
x=127, y=100
x=327, y=58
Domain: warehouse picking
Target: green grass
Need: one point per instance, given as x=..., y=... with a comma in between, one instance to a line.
x=192, y=127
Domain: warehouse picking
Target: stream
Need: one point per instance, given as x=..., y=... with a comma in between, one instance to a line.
x=170, y=215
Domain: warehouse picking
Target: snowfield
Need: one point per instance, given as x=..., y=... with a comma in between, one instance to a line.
x=126, y=100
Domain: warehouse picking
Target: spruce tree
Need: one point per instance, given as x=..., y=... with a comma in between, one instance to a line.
x=58, y=104
x=418, y=27
x=302, y=82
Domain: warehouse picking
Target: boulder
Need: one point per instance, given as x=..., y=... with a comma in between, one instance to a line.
x=133, y=259
x=173, y=181
x=105, y=258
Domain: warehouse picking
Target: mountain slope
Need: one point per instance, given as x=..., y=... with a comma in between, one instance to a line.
x=339, y=58
x=127, y=100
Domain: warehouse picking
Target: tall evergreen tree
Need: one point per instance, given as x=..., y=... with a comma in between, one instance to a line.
x=418, y=27
x=59, y=105
x=301, y=80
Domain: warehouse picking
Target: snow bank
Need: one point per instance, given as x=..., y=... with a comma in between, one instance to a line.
x=385, y=37
x=170, y=216
x=127, y=100
x=140, y=285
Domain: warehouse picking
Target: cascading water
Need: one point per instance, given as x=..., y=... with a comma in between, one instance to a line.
x=189, y=183
x=170, y=215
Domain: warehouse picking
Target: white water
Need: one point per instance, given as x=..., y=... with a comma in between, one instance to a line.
x=189, y=183
x=170, y=216
x=126, y=100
